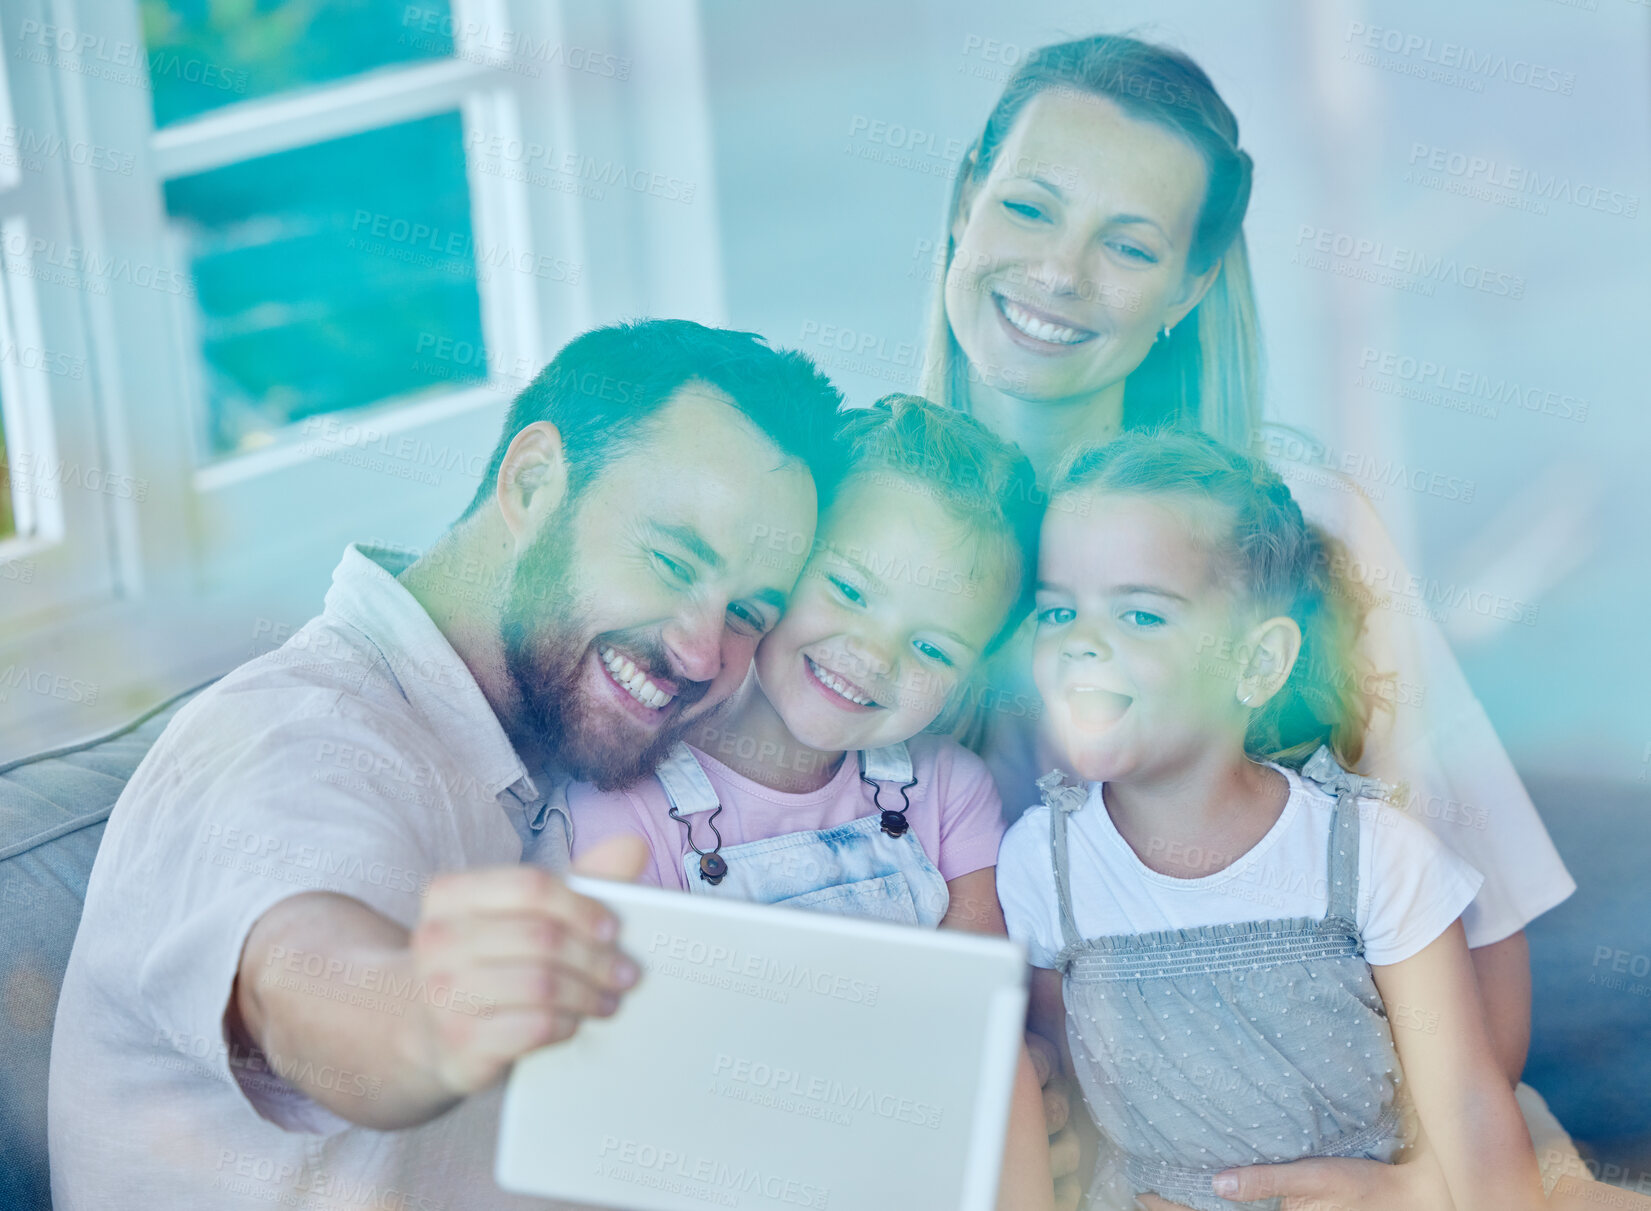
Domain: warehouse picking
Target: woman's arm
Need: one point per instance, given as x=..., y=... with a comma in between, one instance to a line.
x=1460, y=1090
x=1503, y=973
x=1026, y=1184
x=1073, y=1150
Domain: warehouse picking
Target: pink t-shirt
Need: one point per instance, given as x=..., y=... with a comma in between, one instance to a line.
x=955, y=812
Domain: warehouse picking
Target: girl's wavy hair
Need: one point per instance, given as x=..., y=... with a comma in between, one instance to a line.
x=975, y=476
x=1207, y=375
x=1278, y=564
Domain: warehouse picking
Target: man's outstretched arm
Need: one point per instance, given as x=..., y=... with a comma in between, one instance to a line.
x=502, y=960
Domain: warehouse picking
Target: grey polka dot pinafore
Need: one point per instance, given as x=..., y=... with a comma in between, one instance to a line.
x=1199, y=1049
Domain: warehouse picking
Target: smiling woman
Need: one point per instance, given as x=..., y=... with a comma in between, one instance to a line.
x=1101, y=206
x=1096, y=280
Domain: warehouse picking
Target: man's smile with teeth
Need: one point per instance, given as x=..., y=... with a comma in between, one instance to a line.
x=836, y=684
x=634, y=681
x=1037, y=328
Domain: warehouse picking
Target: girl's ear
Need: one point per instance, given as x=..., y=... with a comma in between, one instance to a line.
x=1273, y=647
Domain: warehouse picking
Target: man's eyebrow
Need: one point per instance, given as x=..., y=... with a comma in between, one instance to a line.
x=689, y=540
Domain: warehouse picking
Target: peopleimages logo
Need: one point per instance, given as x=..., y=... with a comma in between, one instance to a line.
x=1408, y=263
x=1376, y=365
x=1472, y=175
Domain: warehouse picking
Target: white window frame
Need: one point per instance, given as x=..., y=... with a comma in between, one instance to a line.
x=211, y=567
x=52, y=440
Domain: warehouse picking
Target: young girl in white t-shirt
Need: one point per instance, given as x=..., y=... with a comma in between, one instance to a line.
x=816, y=787
x=1255, y=955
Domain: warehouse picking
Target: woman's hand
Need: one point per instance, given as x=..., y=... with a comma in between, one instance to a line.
x=1354, y=1184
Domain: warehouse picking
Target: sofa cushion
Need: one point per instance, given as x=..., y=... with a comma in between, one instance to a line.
x=53, y=808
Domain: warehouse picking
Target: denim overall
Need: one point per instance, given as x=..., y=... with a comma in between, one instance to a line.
x=1203, y=1048
x=871, y=867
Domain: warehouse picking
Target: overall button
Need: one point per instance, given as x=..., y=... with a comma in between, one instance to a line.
x=712, y=867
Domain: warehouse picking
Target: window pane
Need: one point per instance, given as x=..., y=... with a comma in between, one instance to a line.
x=208, y=53
x=324, y=276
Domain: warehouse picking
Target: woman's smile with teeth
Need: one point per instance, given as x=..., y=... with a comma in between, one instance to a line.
x=633, y=680
x=834, y=683
x=1037, y=328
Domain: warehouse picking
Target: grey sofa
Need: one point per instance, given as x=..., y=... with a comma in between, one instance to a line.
x=53, y=808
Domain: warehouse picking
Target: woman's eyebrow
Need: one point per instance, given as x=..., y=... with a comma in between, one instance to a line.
x=1126, y=219
x=1040, y=181
x=1140, y=220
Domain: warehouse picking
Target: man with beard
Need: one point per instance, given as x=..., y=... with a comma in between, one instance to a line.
x=311, y=947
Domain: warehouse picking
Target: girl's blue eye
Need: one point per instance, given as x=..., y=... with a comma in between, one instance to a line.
x=1136, y=253
x=933, y=653
x=677, y=571
x=1056, y=616
x=1142, y=618
x=1024, y=209
x=849, y=592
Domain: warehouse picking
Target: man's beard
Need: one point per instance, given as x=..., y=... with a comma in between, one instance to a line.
x=540, y=630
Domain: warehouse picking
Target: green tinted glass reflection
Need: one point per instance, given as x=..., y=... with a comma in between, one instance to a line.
x=325, y=276
x=203, y=54
x=8, y=522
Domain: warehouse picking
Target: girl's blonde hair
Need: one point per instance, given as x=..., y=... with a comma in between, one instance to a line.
x=1207, y=375
x=978, y=478
x=1277, y=564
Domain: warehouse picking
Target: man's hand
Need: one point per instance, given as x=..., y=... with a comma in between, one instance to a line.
x=1064, y=1147
x=535, y=957
x=502, y=960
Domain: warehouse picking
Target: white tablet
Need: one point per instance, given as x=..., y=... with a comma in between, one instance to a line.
x=776, y=1058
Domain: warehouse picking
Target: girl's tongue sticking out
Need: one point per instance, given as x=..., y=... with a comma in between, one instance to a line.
x=1094, y=709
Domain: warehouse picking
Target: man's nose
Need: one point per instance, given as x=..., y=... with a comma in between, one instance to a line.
x=694, y=640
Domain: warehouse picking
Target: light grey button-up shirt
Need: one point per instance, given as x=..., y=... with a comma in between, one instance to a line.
x=359, y=758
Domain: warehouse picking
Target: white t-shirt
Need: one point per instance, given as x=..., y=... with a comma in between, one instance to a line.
x=1410, y=886
x=360, y=758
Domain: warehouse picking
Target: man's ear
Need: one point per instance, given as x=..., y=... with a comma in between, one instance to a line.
x=1193, y=290
x=533, y=480
x=1273, y=646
